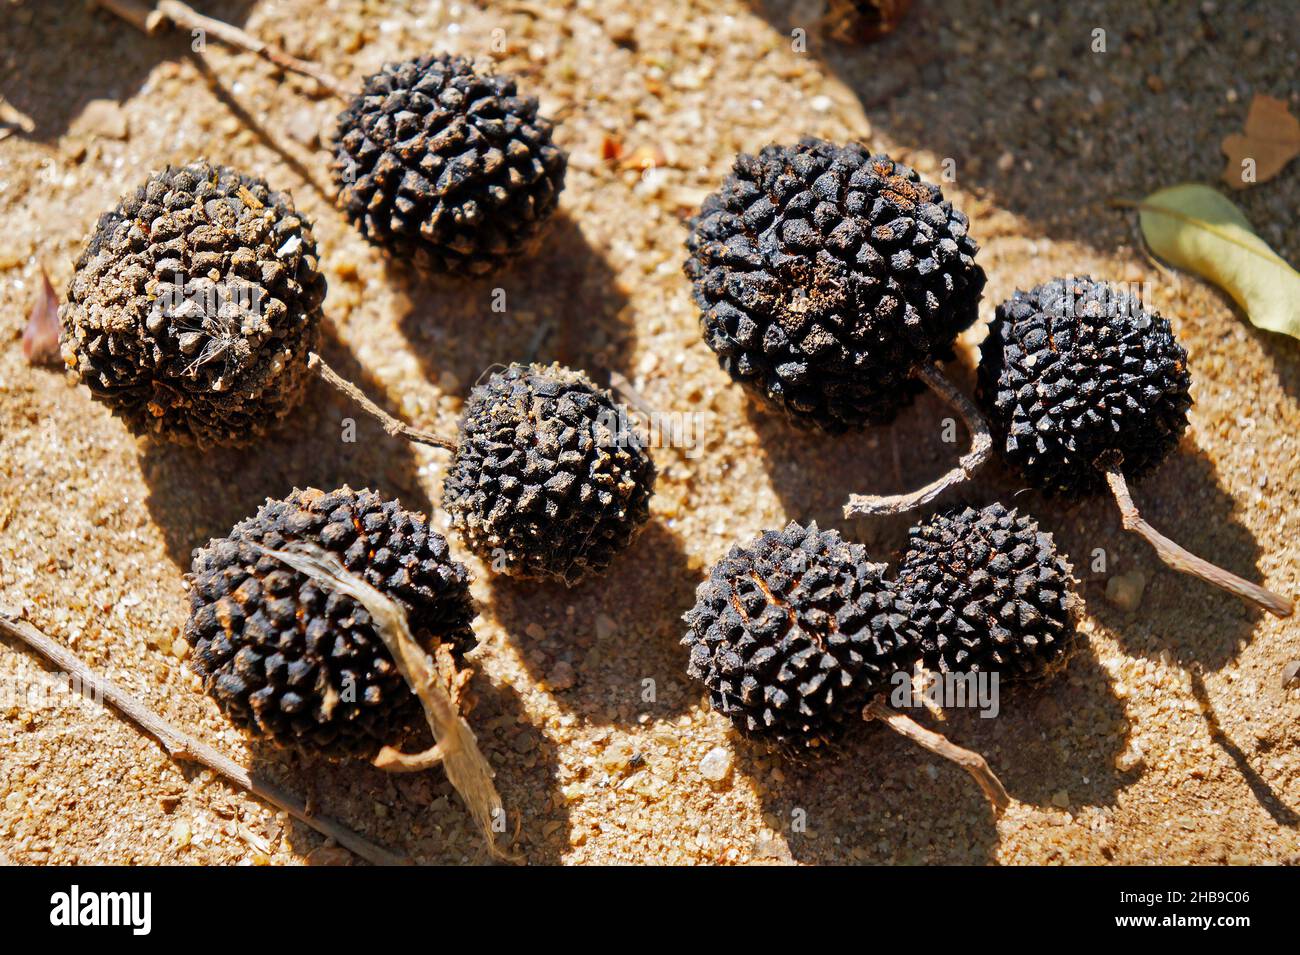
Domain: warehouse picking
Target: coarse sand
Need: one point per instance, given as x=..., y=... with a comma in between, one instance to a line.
x=1169, y=739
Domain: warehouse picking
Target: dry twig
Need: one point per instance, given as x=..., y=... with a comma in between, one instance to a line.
x=861, y=505
x=181, y=745
x=456, y=748
x=391, y=424
x=972, y=762
x=150, y=19
x=1183, y=560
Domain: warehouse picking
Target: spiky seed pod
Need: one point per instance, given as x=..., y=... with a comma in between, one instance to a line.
x=989, y=593
x=1073, y=370
x=447, y=166
x=549, y=480
x=194, y=306
x=794, y=632
x=825, y=275
x=299, y=665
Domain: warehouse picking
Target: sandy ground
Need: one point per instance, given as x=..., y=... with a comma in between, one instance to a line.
x=1168, y=739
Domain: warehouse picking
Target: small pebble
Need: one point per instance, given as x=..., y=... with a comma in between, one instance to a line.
x=101, y=119
x=329, y=855
x=1128, y=760
x=181, y=834
x=716, y=765
x=561, y=676
x=1125, y=590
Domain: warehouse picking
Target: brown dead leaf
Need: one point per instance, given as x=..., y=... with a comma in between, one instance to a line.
x=1271, y=140
x=41, y=336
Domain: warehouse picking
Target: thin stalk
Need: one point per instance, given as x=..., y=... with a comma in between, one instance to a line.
x=390, y=424
x=862, y=505
x=149, y=20
x=393, y=760
x=1183, y=560
x=972, y=762
x=181, y=745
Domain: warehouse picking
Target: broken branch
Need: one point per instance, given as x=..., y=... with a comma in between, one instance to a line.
x=181, y=745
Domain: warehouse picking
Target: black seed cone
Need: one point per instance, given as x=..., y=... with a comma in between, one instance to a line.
x=989, y=593
x=794, y=632
x=825, y=275
x=447, y=166
x=194, y=306
x=1072, y=370
x=302, y=666
x=549, y=480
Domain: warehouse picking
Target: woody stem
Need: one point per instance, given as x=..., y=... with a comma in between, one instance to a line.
x=1183, y=560
x=972, y=762
x=862, y=505
x=149, y=19
x=390, y=424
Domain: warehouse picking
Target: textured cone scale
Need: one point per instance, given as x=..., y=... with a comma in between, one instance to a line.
x=291, y=662
x=549, y=480
x=825, y=275
x=989, y=593
x=194, y=306
x=1073, y=371
x=446, y=166
x=794, y=632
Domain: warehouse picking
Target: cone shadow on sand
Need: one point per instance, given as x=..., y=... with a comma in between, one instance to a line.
x=560, y=303
x=1043, y=85
x=880, y=799
x=1185, y=618
x=195, y=495
x=870, y=801
x=625, y=654
x=66, y=55
x=420, y=815
x=814, y=474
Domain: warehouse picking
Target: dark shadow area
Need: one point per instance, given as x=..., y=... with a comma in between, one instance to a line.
x=1060, y=735
x=814, y=473
x=420, y=814
x=221, y=90
x=562, y=303
x=618, y=634
x=1192, y=621
x=1031, y=82
x=196, y=495
x=1281, y=813
x=55, y=58
x=872, y=801
x=882, y=799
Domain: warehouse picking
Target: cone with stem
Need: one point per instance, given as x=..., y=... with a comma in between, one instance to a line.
x=1084, y=390
x=796, y=635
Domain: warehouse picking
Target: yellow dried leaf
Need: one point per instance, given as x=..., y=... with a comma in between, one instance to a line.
x=1197, y=228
